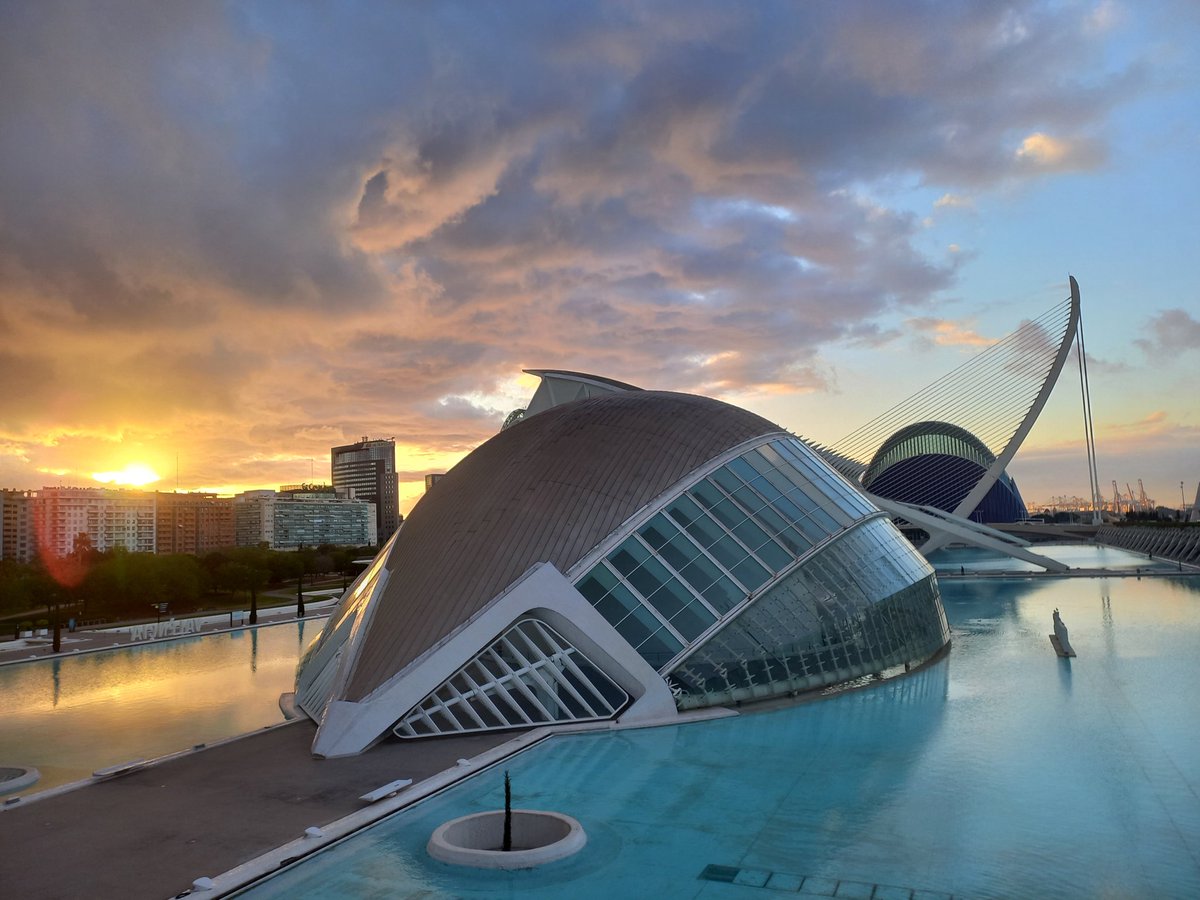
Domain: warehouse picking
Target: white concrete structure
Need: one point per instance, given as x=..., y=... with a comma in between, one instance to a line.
x=620, y=557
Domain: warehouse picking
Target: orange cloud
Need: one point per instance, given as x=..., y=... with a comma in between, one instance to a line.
x=1044, y=153
x=948, y=333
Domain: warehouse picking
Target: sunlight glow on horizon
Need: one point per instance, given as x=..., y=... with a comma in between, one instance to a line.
x=133, y=475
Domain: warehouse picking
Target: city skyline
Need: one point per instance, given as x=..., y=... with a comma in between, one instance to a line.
x=231, y=239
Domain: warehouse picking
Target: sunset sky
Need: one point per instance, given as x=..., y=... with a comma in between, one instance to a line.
x=238, y=234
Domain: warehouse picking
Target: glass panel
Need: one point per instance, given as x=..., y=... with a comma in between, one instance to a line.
x=660, y=648
x=687, y=559
x=843, y=614
x=659, y=587
x=692, y=621
x=726, y=551
x=721, y=508
x=812, y=487
x=743, y=469
x=619, y=603
x=792, y=539
x=825, y=478
x=750, y=573
x=598, y=582
x=763, y=545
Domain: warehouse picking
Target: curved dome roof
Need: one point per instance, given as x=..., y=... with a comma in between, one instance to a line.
x=548, y=489
x=924, y=438
x=938, y=464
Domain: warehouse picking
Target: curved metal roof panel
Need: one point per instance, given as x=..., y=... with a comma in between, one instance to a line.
x=922, y=438
x=548, y=489
x=583, y=377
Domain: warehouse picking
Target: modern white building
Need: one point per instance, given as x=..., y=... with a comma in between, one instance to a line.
x=109, y=517
x=302, y=516
x=623, y=556
x=306, y=517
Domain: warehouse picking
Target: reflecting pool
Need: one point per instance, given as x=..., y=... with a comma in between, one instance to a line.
x=71, y=715
x=999, y=771
x=1077, y=556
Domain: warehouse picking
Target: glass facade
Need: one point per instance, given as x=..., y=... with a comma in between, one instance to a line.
x=768, y=575
x=318, y=664
x=783, y=575
x=863, y=604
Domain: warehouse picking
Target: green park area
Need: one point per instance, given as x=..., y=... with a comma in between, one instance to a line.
x=104, y=588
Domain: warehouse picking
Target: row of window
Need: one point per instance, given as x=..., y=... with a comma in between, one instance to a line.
x=863, y=604
x=719, y=541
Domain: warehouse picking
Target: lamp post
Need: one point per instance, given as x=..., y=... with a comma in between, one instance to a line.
x=300, y=584
x=57, y=644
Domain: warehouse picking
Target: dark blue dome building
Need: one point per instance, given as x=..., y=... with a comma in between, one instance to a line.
x=937, y=464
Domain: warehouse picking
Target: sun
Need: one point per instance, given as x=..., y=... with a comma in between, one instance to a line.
x=133, y=475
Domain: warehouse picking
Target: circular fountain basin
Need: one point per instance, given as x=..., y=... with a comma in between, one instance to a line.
x=17, y=778
x=538, y=837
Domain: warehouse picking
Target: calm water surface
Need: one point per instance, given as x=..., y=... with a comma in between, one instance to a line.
x=72, y=715
x=1001, y=771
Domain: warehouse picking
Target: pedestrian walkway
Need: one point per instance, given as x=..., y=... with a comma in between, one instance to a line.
x=152, y=832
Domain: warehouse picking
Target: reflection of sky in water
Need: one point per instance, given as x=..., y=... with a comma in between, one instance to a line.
x=1077, y=556
x=1001, y=771
x=75, y=714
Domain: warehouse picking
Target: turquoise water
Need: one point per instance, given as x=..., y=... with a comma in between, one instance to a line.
x=1077, y=556
x=72, y=715
x=1000, y=771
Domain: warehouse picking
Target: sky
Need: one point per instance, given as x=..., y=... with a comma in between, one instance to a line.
x=235, y=235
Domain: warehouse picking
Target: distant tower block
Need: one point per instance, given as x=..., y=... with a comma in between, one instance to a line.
x=367, y=471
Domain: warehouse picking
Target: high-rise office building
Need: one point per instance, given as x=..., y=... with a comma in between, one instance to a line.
x=302, y=515
x=308, y=515
x=367, y=471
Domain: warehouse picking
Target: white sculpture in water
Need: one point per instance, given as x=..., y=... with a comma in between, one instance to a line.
x=1059, y=638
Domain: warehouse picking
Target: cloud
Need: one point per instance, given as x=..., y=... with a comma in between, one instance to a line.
x=246, y=234
x=1041, y=152
x=947, y=333
x=1105, y=16
x=954, y=201
x=1155, y=422
x=1171, y=331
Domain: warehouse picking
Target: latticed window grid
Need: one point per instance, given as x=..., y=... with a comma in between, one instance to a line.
x=863, y=604
x=723, y=538
x=529, y=676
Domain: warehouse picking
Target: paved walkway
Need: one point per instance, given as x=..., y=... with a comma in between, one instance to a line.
x=152, y=832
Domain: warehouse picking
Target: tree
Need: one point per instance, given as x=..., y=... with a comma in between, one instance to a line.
x=82, y=545
x=323, y=563
x=247, y=577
